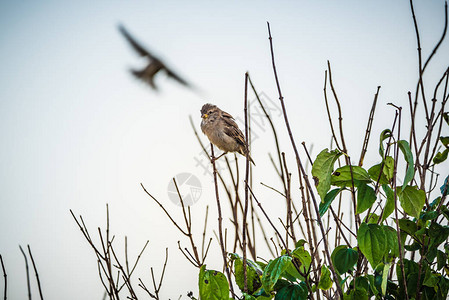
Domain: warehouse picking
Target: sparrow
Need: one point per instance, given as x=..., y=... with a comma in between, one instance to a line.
x=154, y=66
x=222, y=131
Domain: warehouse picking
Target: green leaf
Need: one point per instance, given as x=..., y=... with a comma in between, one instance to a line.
x=322, y=169
x=357, y=294
x=372, y=285
x=435, y=203
x=374, y=174
x=213, y=285
x=300, y=243
x=408, y=226
x=344, y=258
x=324, y=205
x=443, y=287
x=441, y=259
x=388, y=168
x=360, y=283
x=445, y=187
x=292, y=274
x=389, y=205
x=365, y=197
x=273, y=271
x=253, y=273
x=431, y=254
x=248, y=297
x=304, y=259
x=441, y=156
x=412, y=200
x=445, y=141
x=430, y=279
x=280, y=284
x=429, y=215
x=373, y=218
x=325, y=282
x=411, y=275
x=405, y=148
x=385, y=278
x=342, y=176
x=446, y=117
x=438, y=234
x=383, y=136
x=392, y=240
x=372, y=242
x=293, y=291
x=413, y=247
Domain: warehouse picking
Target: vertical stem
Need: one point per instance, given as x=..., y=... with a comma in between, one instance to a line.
x=368, y=128
x=5, y=278
x=27, y=272
x=220, y=223
x=35, y=271
x=245, y=211
x=396, y=153
x=301, y=170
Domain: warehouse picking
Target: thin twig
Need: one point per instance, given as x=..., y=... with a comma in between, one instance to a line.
x=27, y=272
x=245, y=211
x=396, y=154
x=301, y=169
x=220, y=224
x=328, y=111
x=36, y=273
x=368, y=128
x=165, y=211
x=268, y=218
x=5, y=278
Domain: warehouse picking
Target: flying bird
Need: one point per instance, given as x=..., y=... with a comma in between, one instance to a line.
x=154, y=65
x=222, y=131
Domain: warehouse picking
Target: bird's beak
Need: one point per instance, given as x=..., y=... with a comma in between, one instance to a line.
x=204, y=116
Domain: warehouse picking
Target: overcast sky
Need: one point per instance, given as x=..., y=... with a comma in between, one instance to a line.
x=77, y=131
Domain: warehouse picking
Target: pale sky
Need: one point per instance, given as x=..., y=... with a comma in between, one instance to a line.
x=78, y=131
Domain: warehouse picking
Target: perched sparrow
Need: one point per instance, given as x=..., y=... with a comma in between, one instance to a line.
x=153, y=67
x=222, y=131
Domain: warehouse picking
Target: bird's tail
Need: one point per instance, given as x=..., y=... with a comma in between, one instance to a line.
x=242, y=152
x=251, y=160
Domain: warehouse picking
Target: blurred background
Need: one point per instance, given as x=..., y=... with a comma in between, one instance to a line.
x=78, y=131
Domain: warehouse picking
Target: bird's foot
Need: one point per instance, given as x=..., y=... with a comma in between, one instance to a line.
x=213, y=159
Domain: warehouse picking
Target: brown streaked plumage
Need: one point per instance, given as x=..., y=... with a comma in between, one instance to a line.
x=154, y=66
x=222, y=131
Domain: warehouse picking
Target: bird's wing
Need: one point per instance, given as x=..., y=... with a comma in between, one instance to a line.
x=147, y=74
x=232, y=129
x=155, y=64
x=173, y=75
x=142, y=51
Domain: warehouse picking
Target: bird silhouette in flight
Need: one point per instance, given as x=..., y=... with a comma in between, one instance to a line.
x=154, y=66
